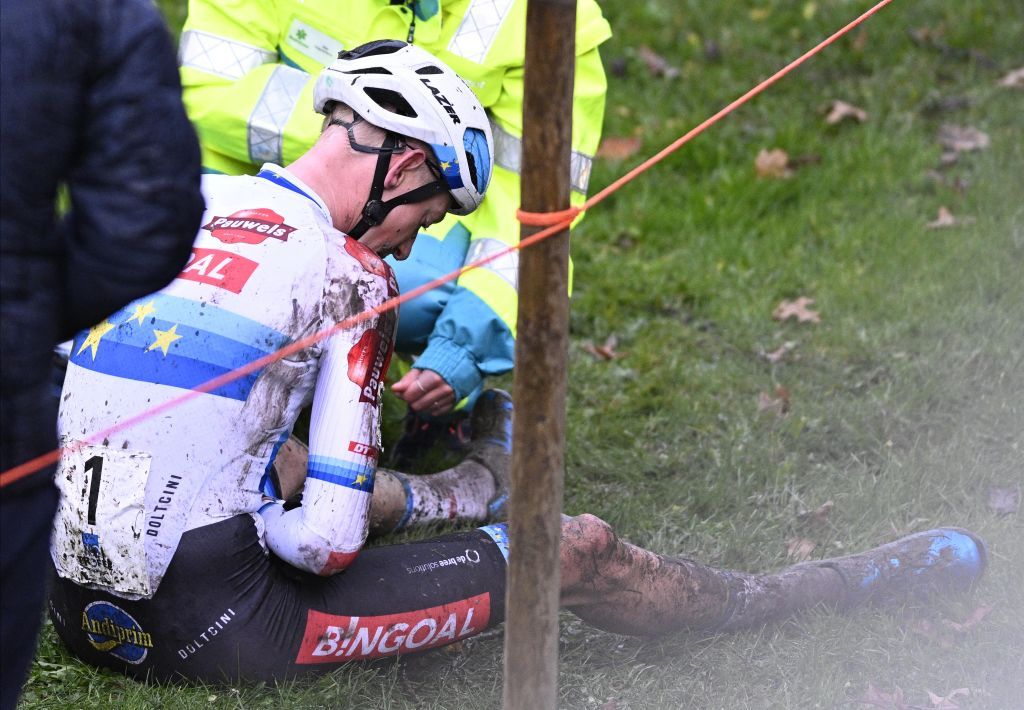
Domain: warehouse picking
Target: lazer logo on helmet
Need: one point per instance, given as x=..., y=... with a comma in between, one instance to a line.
x=111, y=629
x=249, y=227
x=330, y=638
x=443, y=100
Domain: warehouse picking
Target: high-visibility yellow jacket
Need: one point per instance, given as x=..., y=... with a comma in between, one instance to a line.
x=248, y=69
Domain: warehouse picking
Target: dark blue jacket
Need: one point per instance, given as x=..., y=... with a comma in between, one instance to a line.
x=90, y=100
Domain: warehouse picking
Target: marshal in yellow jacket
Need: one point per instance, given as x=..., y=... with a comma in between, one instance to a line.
x=248, y=69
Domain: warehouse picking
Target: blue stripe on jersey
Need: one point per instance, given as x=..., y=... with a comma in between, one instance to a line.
x=201, y=341
x=342, y=473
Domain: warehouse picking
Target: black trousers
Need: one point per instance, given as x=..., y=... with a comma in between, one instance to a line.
x=26, y=518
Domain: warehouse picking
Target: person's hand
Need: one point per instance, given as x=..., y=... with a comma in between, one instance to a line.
x=426, y=392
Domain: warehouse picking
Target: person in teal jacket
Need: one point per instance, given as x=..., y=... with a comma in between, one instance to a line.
x=248, y=69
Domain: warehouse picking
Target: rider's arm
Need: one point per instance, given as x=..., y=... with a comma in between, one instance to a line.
x=325, y=533
x=474, y=336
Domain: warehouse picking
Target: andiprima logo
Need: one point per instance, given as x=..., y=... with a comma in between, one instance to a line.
x=249, y=227
x=110, y=628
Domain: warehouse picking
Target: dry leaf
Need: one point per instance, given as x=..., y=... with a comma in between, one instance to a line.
x=881, y=699
x=819, y=517
x=773, y=164
x=777, y=403
x=1013, y=80
x=945, y=218
x=776, y=356
x=962, y=139
x=945, y=702
x=1004, y=500
x=618, y=147
x=971, y=621
x=604, y=352
x=839, y=111
x=656, y=64
x=798, y=309
x=799, y=549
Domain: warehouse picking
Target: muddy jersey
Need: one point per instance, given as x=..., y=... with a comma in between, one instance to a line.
x=267, y=270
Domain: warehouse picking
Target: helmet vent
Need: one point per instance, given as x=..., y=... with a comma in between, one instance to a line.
x=430, y=69
x=391, y=101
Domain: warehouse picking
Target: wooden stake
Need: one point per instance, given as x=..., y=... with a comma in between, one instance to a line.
x=538, y=454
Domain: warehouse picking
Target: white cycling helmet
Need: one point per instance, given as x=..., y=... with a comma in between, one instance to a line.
x=412, y=94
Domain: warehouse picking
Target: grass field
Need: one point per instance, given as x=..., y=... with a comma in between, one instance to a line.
x=904, y=405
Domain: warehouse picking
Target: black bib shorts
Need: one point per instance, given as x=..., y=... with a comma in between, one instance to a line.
x=227, y=610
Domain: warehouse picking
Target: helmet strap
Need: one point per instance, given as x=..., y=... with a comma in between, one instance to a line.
x=375, y=211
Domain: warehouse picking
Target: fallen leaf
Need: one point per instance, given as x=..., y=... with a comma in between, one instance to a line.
x=945, y=219
x=881, y=699
x=1004, y=500
x=962, y=139
x=839, y=111
x=604, y=352
x=971, y=621
x=776, y=403
x=656, y=64
x=800, y=549
x=773, y=163
x=945, y=702
x=776, y=356
x=618, y=147
x=819, y=517
x=1013, y=80
x=798, y=309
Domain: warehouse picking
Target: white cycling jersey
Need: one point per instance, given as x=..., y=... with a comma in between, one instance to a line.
x=267, y=269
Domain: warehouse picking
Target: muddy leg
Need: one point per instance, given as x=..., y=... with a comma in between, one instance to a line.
x=455, y=494
x=620, y=587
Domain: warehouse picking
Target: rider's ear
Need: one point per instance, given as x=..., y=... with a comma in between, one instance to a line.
x=404, y=166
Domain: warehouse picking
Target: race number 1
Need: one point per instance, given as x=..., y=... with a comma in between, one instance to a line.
x=97, y=537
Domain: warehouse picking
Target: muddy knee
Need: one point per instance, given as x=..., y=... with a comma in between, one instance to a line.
x=587, y=541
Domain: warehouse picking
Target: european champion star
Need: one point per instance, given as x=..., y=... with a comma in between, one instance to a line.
x=96, y=334
x=141, y=312
x=164, y=338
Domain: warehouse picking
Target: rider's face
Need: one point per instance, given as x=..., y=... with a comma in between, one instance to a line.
x=396, y=234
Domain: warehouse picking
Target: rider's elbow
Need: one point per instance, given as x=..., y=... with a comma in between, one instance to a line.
x=337, y=561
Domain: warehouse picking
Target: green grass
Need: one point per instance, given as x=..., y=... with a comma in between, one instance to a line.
x=907, y=400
